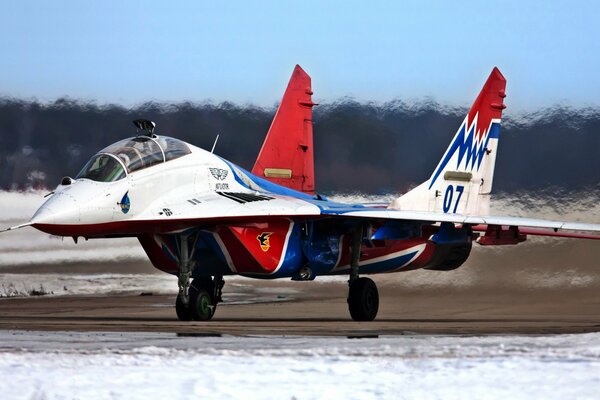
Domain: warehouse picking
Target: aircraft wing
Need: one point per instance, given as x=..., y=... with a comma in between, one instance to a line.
x=219, y=205
x=480, y=223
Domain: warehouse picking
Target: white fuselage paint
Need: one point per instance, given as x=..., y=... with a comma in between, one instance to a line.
x=161, y=192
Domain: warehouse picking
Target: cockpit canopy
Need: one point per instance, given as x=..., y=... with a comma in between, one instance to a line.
x=114, y=162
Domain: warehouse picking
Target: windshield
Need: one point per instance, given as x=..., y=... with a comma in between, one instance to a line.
x=102, y=168
x=135, y=154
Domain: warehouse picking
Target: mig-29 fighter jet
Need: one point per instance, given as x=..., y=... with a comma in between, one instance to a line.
x=201, y=217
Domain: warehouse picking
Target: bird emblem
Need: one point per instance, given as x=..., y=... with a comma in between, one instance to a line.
x=264, y=241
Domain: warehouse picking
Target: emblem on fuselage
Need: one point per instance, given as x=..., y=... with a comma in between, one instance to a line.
x=125, y=204
x=218, y=173
x=264, y=241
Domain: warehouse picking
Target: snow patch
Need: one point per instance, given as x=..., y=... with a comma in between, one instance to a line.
x=146, y=365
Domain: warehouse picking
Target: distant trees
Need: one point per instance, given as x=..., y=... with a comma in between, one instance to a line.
x=372, y=147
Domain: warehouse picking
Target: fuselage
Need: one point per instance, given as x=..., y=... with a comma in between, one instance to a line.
x=155, y=188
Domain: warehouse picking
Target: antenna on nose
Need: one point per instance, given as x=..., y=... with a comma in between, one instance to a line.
x=144, y=125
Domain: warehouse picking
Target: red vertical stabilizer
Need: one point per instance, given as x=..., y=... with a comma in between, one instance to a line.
x=286, y=157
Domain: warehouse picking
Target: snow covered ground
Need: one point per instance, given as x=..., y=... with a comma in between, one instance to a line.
x=36, y=365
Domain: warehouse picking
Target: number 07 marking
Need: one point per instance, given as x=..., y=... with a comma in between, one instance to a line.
x=449, y=195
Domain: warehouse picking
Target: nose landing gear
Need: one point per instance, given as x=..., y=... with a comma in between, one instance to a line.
x=196, y=300
x=204, y=295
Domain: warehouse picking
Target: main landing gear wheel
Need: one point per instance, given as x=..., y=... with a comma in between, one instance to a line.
x=363, y=299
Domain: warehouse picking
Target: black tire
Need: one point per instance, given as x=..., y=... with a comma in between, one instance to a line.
x=202, y=304
x=182, y=310
x=363, y=300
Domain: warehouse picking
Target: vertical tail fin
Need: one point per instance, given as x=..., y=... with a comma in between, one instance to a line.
x=286, y=156
x=462, y=181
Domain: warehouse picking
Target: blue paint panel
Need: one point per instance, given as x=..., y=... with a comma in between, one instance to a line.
x=494, y=131
x=322, y=247
x=397, y=230
x=267, y=186
x=384, y=266
x=387, y=265
x=209, y=258
x=293, y=255
x=264, y=184
x=466, y=144
x=449, y=234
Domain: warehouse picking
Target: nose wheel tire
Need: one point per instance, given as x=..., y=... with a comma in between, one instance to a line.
x=363, y=300
x=202, y=305
x=183, y=310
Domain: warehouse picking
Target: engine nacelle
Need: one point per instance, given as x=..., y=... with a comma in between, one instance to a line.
x=452, y=247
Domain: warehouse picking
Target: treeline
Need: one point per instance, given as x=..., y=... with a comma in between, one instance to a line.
x=372, y=147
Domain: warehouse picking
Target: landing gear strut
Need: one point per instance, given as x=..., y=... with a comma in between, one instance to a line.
x=363, y=297
x=196, y=300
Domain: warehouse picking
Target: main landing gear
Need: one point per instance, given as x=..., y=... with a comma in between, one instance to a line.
x=196, y=300
x=363, y=297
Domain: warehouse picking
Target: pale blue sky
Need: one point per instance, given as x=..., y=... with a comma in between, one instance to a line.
x=244, y=51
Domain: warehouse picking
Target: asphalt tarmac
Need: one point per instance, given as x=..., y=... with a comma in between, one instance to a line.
x=321, y=310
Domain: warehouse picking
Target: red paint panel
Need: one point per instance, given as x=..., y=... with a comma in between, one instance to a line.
x=489, y=104
x=289, y=142
x=545, y=232
x=423, y=259
x=241, y=258
x=256, y=248
x=156, y=254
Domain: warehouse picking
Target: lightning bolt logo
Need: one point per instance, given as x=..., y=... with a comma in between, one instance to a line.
x=471, y=146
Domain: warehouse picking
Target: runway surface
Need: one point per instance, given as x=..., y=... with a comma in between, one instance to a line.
x=305, y=308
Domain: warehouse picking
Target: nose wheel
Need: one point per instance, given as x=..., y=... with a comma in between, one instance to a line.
x=202, y=305
x=203, y=296
x=183, y=310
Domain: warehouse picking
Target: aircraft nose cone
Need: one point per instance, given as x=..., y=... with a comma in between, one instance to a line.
x=58, y=209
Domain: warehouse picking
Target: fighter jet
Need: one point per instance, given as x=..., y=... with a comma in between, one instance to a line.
x=201, y=217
